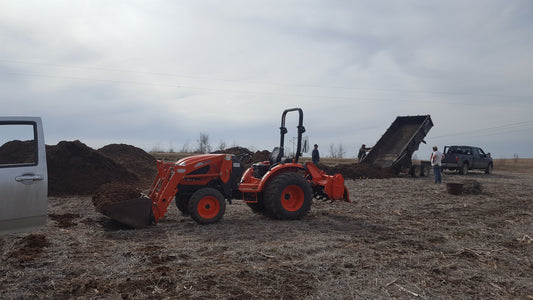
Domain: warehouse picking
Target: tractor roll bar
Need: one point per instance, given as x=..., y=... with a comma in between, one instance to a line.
x=301, y=130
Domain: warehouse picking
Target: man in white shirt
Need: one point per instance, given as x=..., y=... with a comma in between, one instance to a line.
x=436, y=161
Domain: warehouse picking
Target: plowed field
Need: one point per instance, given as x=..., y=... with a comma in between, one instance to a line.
x=400, y=238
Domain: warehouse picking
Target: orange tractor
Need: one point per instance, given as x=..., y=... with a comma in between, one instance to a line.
x=280, y=188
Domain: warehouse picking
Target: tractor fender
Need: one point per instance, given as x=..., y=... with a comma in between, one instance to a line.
x=278, y=169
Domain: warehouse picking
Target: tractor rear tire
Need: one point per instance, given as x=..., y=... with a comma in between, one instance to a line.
x=288, y=197
x=207, y=205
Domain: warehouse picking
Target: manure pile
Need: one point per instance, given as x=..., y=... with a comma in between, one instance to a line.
x=76, y=169
x=113, y=193
x=358, y=171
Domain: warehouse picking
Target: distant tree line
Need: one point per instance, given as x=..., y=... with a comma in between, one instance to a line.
x=203, y=145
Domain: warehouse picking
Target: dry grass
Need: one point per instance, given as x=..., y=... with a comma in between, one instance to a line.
x=522, y=165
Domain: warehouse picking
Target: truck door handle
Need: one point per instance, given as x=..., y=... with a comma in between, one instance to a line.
x=28, y=179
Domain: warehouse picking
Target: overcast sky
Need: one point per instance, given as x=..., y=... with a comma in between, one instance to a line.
x=157, y=74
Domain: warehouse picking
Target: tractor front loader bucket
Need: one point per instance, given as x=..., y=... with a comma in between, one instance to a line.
x=136, y=212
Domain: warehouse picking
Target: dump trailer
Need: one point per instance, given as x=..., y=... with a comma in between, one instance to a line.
x=280, y=188
x=397, y=145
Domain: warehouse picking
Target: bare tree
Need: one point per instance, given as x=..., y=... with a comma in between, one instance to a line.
x=157, y=148
x=332, y=152
x=185, y=148
x=340, y=151
x=203, y=143
x=222, y=146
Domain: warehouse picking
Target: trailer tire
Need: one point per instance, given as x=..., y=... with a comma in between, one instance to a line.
x=426, y=170
x=207, y=205
x=416, y=171
x=288, y=197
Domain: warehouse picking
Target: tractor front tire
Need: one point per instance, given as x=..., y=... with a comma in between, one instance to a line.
x=183, y=204
x=207, y=205
x=259, y=206
x=288, y=197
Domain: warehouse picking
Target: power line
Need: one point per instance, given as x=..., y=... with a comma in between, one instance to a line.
x=495, y=130
x=220, y=90
x=270, y=83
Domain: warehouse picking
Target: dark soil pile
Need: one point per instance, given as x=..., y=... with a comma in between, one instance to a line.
x=76, y=169
x=18, y=152
x=358, y=171
x=113, y=193
x=134, y=159
x=247, y=157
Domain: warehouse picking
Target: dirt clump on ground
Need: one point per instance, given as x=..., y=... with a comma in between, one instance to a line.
x=76, y=169
x=133, y=159
x=471, y=186
x=110, y=193
x=29, y=248
x=64, y=220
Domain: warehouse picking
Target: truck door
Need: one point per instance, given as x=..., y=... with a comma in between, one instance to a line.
x=23, y=174
x=477, y=161
x=483, y=159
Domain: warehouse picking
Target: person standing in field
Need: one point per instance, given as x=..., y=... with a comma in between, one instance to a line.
x=315, y=156
x=436, y=161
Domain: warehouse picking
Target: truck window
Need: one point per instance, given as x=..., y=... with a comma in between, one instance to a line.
x=18, y=145
x=456, y=150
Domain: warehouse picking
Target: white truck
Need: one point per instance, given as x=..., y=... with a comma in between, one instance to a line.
x=23, y=174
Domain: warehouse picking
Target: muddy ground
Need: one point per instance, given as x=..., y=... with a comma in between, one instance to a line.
x=400, y=238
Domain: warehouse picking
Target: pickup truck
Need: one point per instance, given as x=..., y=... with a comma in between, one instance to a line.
x=23, y=174
x=465, y=158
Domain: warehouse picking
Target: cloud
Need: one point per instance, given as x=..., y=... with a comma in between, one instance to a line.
x=161, y=72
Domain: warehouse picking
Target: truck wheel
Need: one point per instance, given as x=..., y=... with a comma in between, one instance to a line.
x=464, y=169
x=207, y=205
x=428, y=170
x=288, y=197
x=182, y=203
x=488, y=170
x=416, y=171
